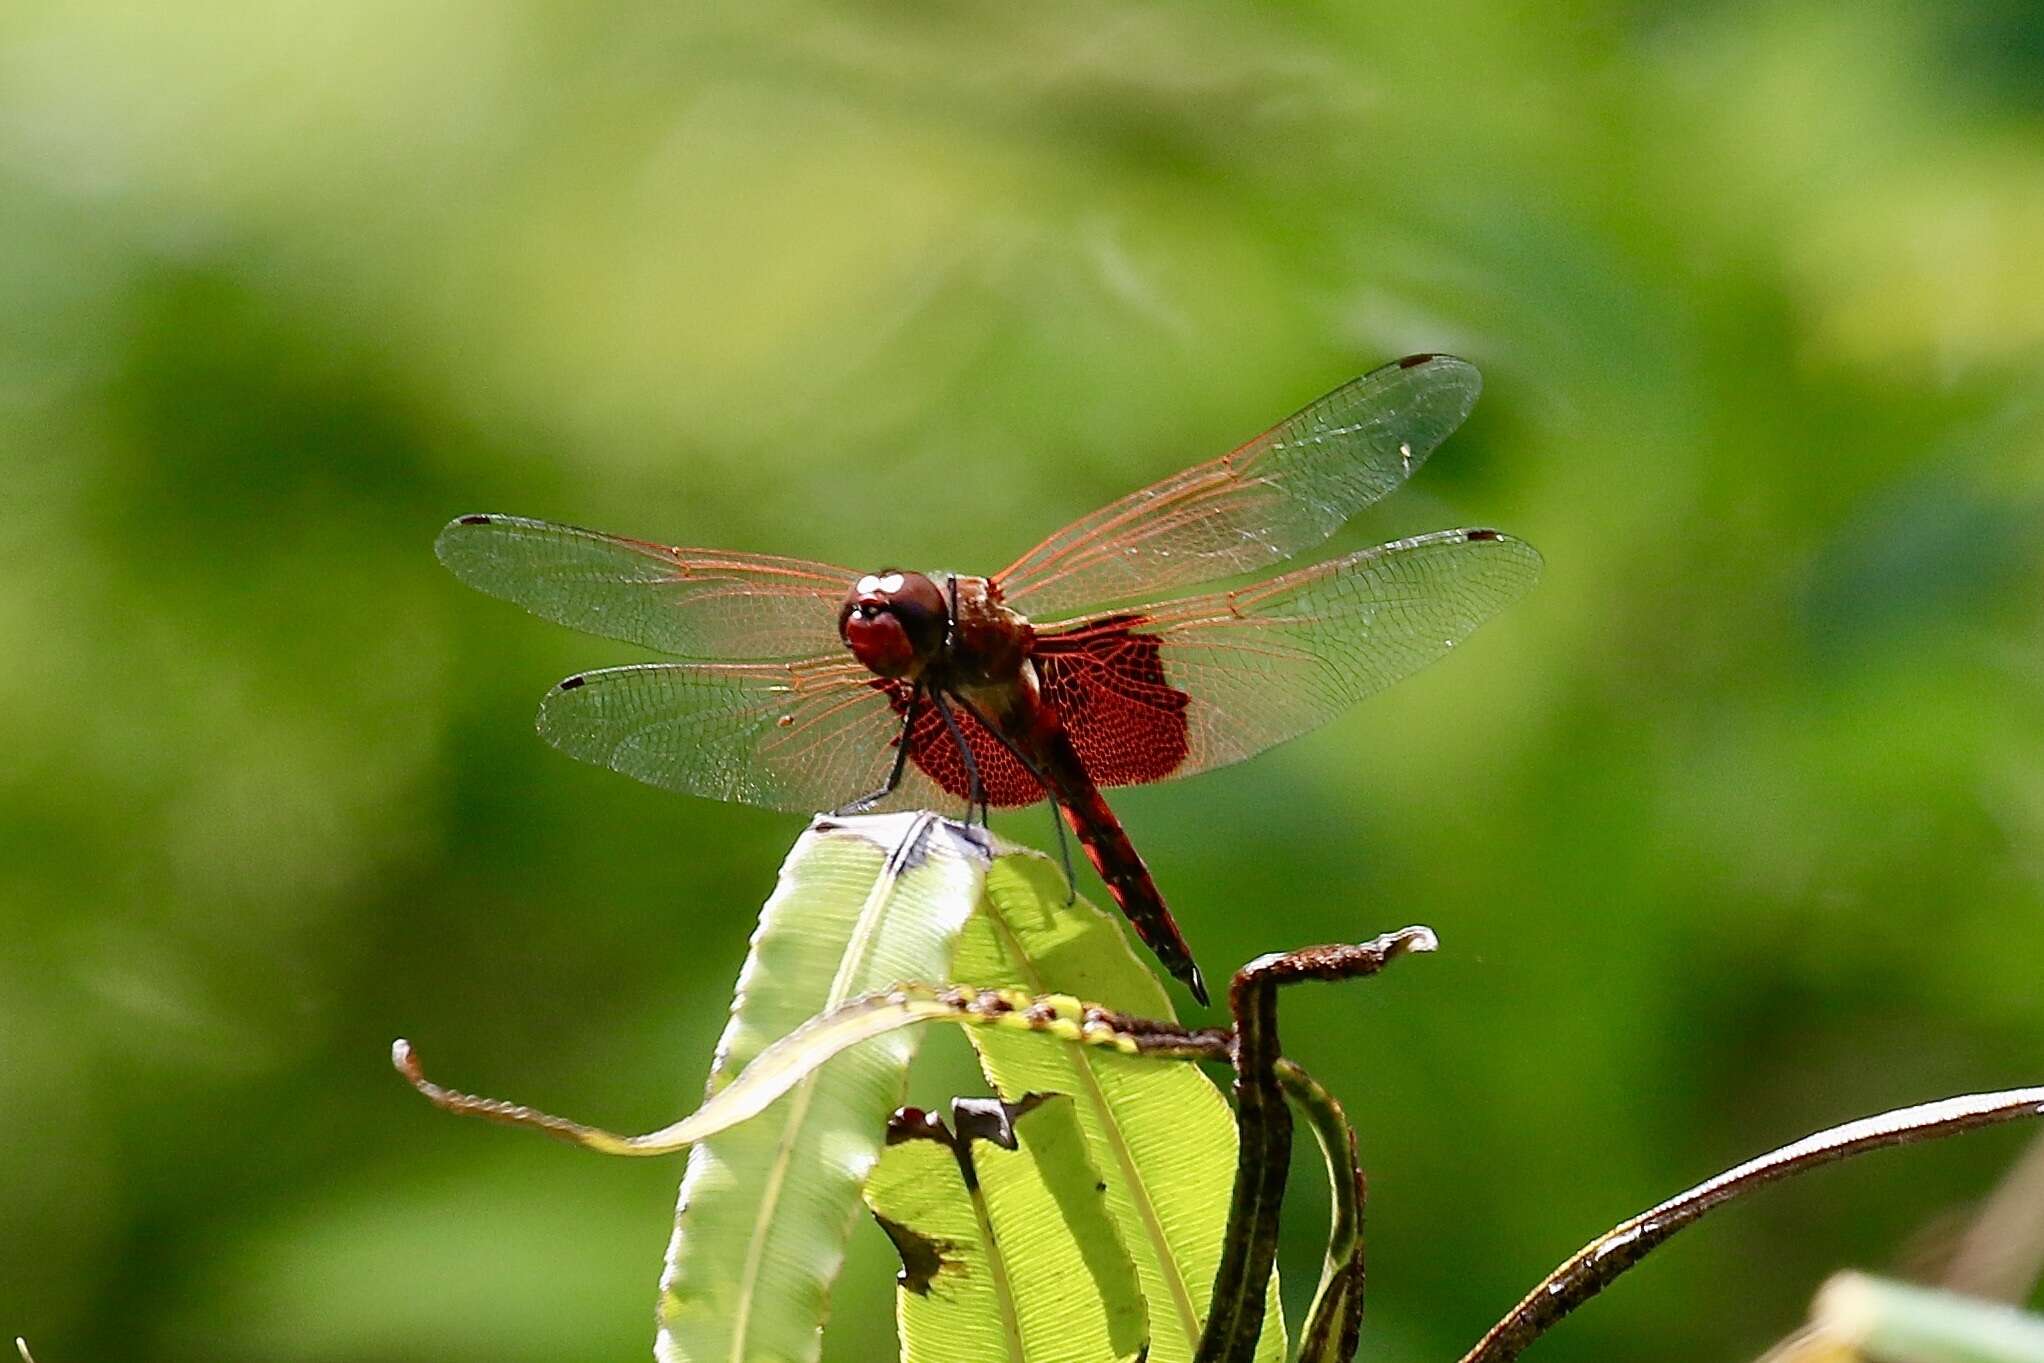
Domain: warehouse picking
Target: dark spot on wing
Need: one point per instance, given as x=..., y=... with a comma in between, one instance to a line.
x=571, y=683
x=1480, y=535
x=1100, y=1187
x=1414, y=361
x=922, y=1256
x=475, y=520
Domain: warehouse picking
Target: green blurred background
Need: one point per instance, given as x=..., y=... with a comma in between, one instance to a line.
x=1734, y=829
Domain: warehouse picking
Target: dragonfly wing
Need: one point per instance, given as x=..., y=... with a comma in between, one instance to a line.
x=1284, y=491
x=1004, y=780
x=694, y=603
x=1189, y=685
x=801, y=736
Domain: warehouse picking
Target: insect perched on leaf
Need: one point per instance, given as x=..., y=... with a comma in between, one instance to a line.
x=808, y=686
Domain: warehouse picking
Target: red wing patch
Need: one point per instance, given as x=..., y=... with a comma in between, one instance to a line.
x=1008, y=783
x=1107, y=685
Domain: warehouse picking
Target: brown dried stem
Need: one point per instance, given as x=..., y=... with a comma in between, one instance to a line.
x=406, y=1061
x=1593, y=1267
x=1264, y=1123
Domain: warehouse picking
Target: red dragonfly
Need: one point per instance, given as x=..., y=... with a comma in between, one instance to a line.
x=809, y=686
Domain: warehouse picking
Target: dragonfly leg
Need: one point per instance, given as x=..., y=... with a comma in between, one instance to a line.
x=908, y=724
x=1064, y=848
x=975, y=791
x=1064, y=853
x=964, y=749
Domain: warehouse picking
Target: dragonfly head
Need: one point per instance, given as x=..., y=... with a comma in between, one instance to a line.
x=894, y=622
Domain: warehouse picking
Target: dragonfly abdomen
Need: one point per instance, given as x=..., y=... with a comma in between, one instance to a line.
x=1114, y=857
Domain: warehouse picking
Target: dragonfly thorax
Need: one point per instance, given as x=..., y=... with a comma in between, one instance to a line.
x=894, y=622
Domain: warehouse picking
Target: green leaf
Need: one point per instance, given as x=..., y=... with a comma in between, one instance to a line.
x=1161, y=1135
x=766, y=1207
x=759, y=1236
x=948, y=1299
x=1058, y=1157
x=1008, y=1255
x=1890, y=1322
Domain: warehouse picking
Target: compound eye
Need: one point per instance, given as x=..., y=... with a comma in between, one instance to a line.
x=890, y=583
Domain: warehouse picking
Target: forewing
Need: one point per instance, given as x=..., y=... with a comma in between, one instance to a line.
x=1201, y=682
x=694, y=603
x=801, y=736
x=1284, y=491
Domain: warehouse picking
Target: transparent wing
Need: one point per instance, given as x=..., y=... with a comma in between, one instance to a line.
x=1284, y=491
x=801, y=736
x=695, y=603
x=1182, y=687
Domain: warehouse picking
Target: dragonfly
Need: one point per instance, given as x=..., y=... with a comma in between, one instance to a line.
x=803, y=686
